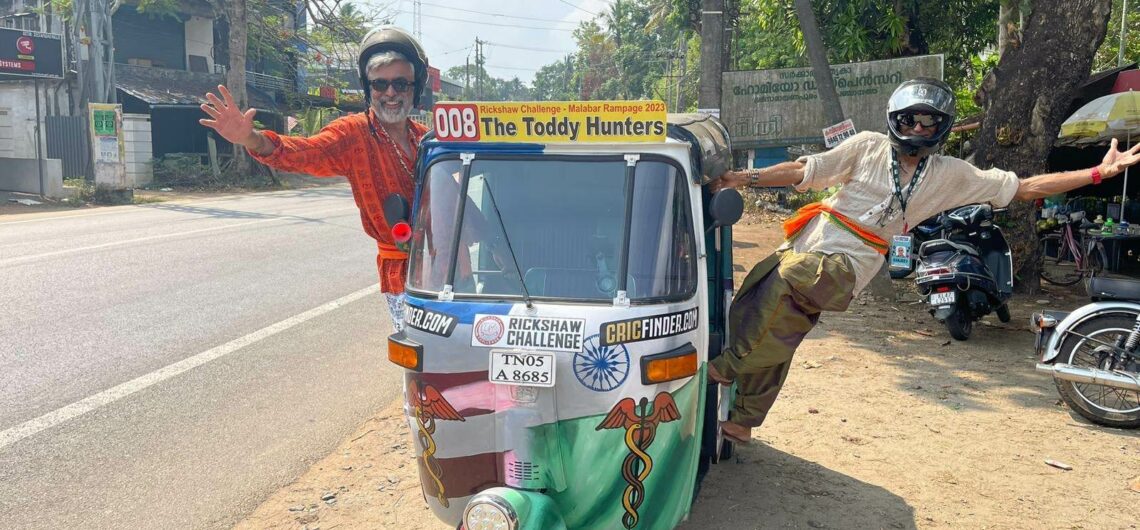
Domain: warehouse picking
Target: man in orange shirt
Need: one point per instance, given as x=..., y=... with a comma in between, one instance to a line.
x=376, y=149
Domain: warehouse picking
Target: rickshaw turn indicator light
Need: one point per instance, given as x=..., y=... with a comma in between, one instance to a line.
x=669, y=366
x=404, y=352
x=401, y=232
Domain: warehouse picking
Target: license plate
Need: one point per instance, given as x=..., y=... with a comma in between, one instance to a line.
x=522, y=368
x=942, y=298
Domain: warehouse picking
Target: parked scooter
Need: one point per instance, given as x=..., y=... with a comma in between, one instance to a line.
x=968, y=271
x=925, y=231
x=1093, y=353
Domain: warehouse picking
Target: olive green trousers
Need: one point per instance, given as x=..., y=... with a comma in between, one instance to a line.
x=778, y=303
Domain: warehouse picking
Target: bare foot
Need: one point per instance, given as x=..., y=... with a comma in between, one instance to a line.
x=716, y=376
x=737, y=433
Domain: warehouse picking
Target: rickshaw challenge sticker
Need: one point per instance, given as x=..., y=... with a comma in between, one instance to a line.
x=532, y=333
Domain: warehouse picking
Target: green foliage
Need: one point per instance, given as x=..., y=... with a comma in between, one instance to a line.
x=1107, y=54
x=980, y=65
x=191, y=170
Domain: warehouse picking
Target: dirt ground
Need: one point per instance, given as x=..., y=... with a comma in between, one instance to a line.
x=885, y=422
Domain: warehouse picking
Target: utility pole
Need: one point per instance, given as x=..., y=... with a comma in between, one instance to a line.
x=417, y=20
x=479, y=68
x=467, y=79
x=712, y=53
x=820, y=69
x=1123, y=24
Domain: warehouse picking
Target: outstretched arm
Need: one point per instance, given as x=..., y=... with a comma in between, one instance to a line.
x=1114, y=163
x=782, y=174
x=233, y=124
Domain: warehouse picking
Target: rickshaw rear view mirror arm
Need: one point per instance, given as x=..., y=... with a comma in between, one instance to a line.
x=725, y=207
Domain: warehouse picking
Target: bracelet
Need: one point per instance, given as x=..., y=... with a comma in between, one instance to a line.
x=1096, y=177
x=754, y=178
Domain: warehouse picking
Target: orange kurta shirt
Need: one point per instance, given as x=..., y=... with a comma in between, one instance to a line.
x=347, y=147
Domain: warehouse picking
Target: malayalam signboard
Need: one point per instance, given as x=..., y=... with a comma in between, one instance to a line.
x=771, y=108
x=30, y=54
x=550, y=121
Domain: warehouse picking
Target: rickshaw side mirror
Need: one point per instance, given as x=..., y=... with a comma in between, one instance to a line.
x=395, y=208
x=725, y=207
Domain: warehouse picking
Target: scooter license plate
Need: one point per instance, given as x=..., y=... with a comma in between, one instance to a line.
x=522, y=368
x=942, y=298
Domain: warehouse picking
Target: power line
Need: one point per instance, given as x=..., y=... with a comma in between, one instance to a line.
x=492, y=23
x=578, y=8
x=499, y=14
x=527, y=48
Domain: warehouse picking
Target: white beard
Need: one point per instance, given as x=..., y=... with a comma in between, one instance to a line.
x=390, y=116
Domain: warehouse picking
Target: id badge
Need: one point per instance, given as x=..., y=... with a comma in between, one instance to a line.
x=900, y=252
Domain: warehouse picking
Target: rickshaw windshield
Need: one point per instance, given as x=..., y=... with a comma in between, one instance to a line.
x=559, y=225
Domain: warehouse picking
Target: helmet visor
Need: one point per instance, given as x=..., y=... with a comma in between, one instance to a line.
x=917, y=97
x=927, y=120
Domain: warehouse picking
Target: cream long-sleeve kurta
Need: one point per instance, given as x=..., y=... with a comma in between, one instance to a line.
x=862, y=164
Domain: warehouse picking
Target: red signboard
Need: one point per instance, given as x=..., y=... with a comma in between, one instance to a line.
x=433, y=79
x=28, y=53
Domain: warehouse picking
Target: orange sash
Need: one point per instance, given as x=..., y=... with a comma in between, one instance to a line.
x=800, y=219
x=390, y=251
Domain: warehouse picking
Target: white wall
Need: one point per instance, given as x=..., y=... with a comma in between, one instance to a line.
x=200, y=40
x=19, y=98
x=136, y=136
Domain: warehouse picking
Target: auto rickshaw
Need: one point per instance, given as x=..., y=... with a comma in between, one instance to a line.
x=568, y=277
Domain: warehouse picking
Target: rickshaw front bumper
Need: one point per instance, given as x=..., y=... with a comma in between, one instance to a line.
x=510, y=509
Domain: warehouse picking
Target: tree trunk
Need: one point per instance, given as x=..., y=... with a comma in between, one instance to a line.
x=235, y=13
x=712, y=55
x=820, y=69
x=1009, y=17
x=1032, y=88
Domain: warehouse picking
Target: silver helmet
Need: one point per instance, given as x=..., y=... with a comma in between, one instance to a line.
x=922, y=95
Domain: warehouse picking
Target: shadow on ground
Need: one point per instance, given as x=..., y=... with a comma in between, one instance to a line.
x=765, y=488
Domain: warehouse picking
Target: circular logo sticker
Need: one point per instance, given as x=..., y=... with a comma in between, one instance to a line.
x=488, y=330
x=601, y=368
x=25, y=45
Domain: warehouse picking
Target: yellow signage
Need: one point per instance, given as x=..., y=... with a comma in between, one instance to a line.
x=550, y=121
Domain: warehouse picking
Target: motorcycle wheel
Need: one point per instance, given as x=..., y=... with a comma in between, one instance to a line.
x=1003, y=313
x=1099, y=404
x=960, y=324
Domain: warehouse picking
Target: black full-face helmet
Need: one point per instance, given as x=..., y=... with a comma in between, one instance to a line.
x=391, y=38
x=922, y=95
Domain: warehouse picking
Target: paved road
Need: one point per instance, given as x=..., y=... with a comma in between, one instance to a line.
x=171, y=365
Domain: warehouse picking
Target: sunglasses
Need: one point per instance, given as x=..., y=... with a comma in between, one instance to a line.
x=400, y=84
x=909, y=119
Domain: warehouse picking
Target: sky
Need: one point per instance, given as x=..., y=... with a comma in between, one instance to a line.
x=522, y=35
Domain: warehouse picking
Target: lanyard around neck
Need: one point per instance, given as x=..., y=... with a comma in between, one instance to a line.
x=918, y=174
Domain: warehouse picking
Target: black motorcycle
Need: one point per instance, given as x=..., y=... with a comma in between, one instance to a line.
x=967, y=272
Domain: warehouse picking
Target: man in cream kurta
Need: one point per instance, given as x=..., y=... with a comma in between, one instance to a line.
x=834, y=248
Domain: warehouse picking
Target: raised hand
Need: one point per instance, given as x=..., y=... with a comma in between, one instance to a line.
x=230, y=122
x=1115, y=162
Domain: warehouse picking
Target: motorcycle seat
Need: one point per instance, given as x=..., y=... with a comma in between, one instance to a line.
x=943, y=245
x=1104, y=288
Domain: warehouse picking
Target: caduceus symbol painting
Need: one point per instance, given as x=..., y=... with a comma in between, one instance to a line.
x=429, y=405
x=640, y=423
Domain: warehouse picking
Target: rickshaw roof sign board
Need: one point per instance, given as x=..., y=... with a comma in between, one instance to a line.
x=548, y=122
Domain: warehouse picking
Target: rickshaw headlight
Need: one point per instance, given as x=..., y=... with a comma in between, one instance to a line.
x=489, y=512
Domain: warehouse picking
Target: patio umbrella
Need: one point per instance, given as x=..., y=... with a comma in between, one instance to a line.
x=1112, y=116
